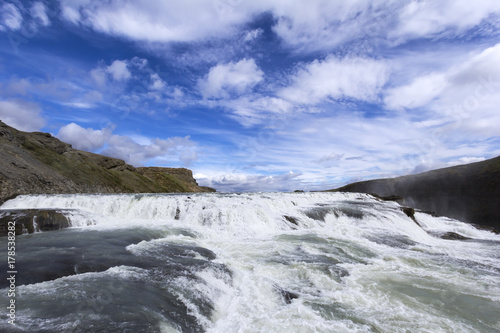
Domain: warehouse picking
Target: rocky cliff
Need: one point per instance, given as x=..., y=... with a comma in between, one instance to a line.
x=470, y=192
x=178, y=179
x=37, y=162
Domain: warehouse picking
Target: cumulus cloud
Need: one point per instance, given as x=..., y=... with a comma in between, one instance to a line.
x=351, y=77
x=313, y=83
x=84, y=138
x=10, y=17
x=119, y=71
x=137, y=154
x=21, y=115
x=224, y=79
x=310, y=84
x=134, y=151
x=114, y=81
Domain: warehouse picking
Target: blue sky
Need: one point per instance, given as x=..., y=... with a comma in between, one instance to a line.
x=259, y=95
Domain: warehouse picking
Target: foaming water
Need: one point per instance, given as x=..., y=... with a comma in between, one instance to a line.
x=261, y=262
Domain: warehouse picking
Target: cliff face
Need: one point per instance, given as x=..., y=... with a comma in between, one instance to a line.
x=32, y=163
x=176, y=179
x=469, y=192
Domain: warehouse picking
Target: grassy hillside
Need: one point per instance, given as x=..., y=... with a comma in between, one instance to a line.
x=39, y=163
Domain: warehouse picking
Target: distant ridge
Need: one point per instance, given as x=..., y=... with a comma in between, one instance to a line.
x=470, y=192
x=37, y=163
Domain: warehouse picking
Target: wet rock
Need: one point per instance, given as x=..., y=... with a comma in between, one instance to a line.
x=32, y=220
x=288, y=296
x=486, y=228
x=387, y=198
x=410, y=212
x=291, y=219
x=349, y=212
x=318, y=213
x=454, y=236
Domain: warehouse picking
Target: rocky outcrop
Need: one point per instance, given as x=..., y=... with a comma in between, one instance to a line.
x=37, y=163
x=175, y=179
x=453, y=236
x=32, y=220
x=470, y=192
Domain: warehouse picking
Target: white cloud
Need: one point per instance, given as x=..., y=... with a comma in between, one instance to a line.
x=99, y=76
x=305, y=26
x=240, y=182
x=430, y=18
x=253, y=35
x=71, y=14
x=10, y=17
x=156, y=82
x=313, y=83
x=331, y=150
x=155, y=21
x=320, y=25
x=87, y=101
x=135, y=152
x=171, y=149
x=418, y=93
x=466, y=160
x=358, y=78
x=119, y=71
x=255, y=109
x=224, y=79
x=39, y=12
x=21, y=115
x=323, y=24
x=84, y=138
x=450, y=97
x=466, y=95
x=115, y=76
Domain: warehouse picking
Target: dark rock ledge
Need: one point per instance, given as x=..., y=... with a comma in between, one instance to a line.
x=28, y=221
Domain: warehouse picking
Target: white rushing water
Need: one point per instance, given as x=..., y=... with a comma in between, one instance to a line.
x=267, y=262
